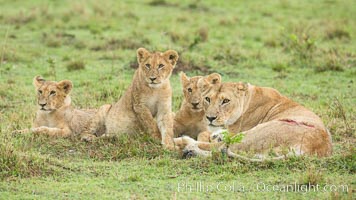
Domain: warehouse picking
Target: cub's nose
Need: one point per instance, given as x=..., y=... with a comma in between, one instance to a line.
x=195, y=104
x=43, y=104
x=211, y=119
x=152, y=79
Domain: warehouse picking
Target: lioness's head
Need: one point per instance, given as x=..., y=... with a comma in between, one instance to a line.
x=223, y=102
x=52, y=95
x=157, y=67
x=192, y=94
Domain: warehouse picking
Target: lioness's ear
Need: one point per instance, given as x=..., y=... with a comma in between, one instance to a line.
x=240, y=86
x=172, y=56
x=65, y=85
x=142, y=54
x=184, y=78
x=207, y=82
x=38, y=81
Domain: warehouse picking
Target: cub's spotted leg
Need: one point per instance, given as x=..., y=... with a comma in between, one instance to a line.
x=165, y=125
x=147, y=121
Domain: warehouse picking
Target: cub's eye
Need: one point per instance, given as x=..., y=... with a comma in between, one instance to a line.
x=160, y=66
x=190, y=90
x=39, y=91
x=207, y=99
x=52, y=92
x=225, y=101
x=148, y=66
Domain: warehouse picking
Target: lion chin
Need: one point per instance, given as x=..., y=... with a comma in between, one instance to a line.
x=155, y=85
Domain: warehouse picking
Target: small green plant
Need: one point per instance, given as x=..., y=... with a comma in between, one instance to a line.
x=301, y=45
x=229, y=138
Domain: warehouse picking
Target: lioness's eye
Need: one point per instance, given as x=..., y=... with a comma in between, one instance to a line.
x=207, y=99
x=225, y=101
x=52, y=92
x=148, y=66
x=190, y=90
x=40, y=91
x=160, y=65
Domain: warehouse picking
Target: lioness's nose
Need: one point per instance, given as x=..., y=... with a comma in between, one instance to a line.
x=152, y=79
x=211, y=119
x=43, y=104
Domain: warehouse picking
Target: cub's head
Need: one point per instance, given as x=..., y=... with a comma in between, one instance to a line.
x=52, y=95
x=156, y=67
x=192, y=95
x=223, y=102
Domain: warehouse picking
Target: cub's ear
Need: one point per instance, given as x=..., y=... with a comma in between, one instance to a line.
x=213, y=78
x=172, y=56
x=142, y=54
x=38, y=81
x=184, y=79
x=207, y=82
x=65, y=85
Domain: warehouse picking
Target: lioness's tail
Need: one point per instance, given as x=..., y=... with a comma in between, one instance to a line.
x=237, y=156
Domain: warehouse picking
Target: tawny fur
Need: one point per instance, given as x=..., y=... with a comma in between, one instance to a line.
x=269, y=120
x=190, y=119
x=55, y=115
x=146, y=105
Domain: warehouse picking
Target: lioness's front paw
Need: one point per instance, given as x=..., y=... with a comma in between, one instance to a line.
x=183, y=141
x=188, y=140
x=216, y=137
x=188, y=154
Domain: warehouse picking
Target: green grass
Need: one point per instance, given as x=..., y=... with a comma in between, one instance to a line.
x=305, y=49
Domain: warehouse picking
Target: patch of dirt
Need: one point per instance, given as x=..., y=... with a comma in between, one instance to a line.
x=161, y=3
x=186, y=66
x=113, y=44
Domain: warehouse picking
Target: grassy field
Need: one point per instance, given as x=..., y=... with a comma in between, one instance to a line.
x=305, y=49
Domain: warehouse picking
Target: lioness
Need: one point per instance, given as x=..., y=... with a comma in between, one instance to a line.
x=149, y=97
x=269, y=121
x=190, y=119
x=56, y=116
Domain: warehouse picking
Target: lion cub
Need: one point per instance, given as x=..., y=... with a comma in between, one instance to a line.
x=55, y=115
x=146, y=104
x=190, y=119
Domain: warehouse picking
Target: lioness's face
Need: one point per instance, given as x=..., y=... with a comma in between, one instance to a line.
x=222, y=102
x=157, y=67
x=51, y=95
x=220, y=105
x=192, y=95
